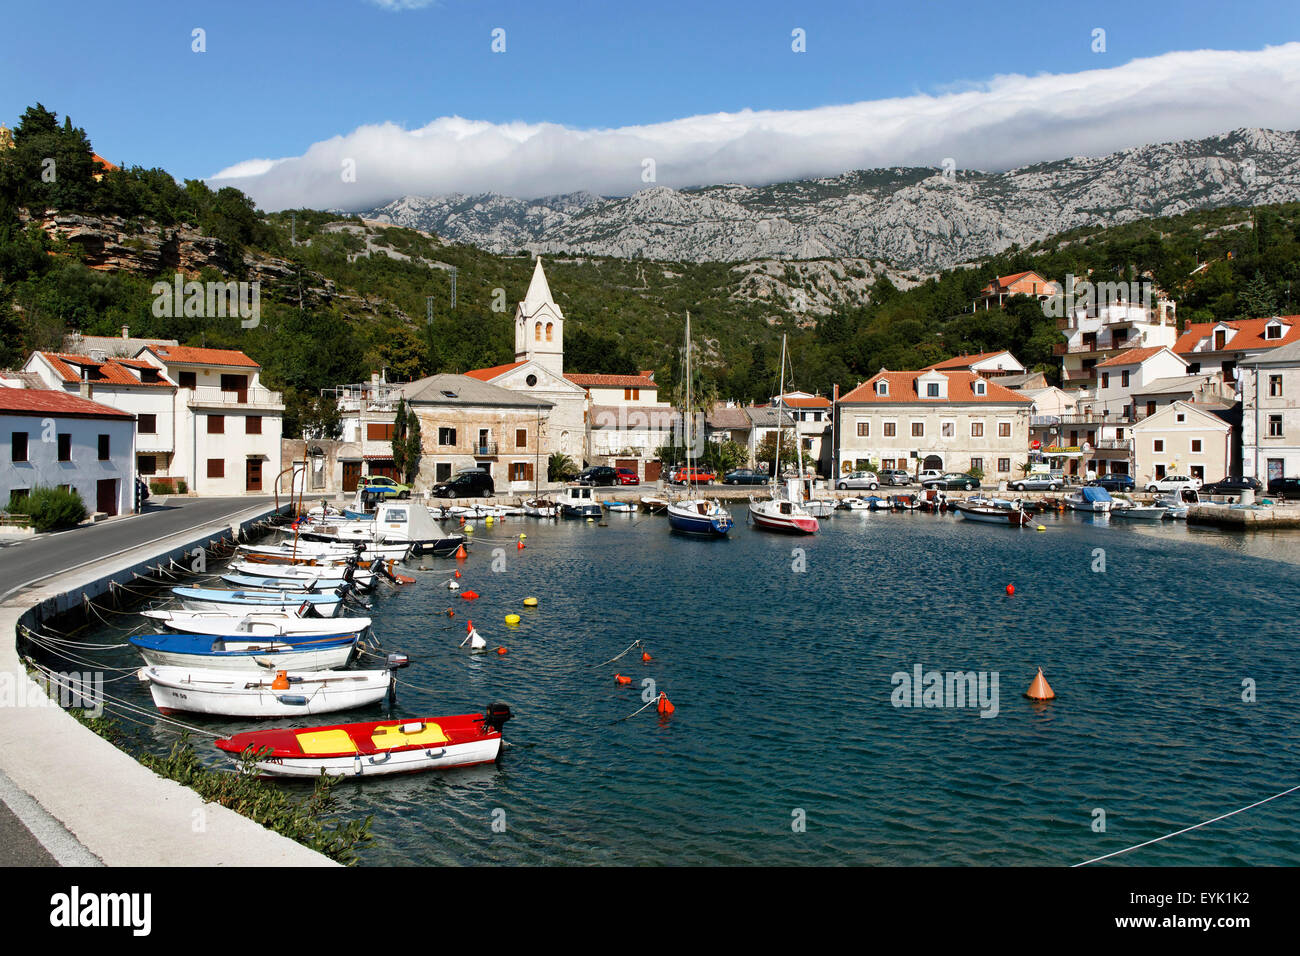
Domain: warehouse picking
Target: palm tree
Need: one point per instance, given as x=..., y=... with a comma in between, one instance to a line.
x=559, y=466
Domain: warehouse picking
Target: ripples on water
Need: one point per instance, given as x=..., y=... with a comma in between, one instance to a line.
x=782, y=684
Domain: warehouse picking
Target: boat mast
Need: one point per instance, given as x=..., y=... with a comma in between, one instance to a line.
x=686, y=410
x=780, y=421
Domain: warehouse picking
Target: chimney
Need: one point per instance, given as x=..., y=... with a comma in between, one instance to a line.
x=126, y=332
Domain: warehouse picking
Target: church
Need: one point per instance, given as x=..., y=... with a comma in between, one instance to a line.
x=580, y=416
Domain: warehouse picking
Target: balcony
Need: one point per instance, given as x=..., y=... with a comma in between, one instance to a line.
x=256, y=397
x=486, y=449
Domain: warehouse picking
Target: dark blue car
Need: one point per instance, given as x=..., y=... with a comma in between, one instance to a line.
x=1115, y=482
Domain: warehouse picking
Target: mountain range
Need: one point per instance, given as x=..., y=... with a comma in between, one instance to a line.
x=910, y=218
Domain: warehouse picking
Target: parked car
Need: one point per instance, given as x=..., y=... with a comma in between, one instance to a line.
x=471, y=483
x=1173, y=483
x=895, y=476
x=1114, y=482
x=1036, y=483
x=1284, y=487
x=858, y=479
x=951, y=481
x=700, y=476
x=744, y=476
x=1232, y=486
x=929, y=474
x=599, y=475
x=384, y=487
x=626, y=476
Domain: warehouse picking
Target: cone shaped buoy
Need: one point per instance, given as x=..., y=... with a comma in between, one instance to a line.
x=665, y=705
x=1011, y=589
x=620, y=679
x=281, y=681
x=512, y=619
x=468, y=595
x=1040, y=689
x=458, y=573
x=646, y=658
x=469, y=626
x=530, y=602
x=519, y=546
x=502, y=650
x=460, y=553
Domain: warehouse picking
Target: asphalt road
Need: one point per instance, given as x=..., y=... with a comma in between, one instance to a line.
x=27, y=560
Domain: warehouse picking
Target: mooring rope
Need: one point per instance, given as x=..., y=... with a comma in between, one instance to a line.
x=55, y=678
x=1195, y=826
x=631, y=715
x=634, y=644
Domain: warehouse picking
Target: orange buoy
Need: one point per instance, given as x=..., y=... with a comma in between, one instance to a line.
x=665, y=705
x=1011, y=589
x=502, y=650
x=469, y=626
x=646, y=658
x=458, y=573
x=1040, y=689
x=450, y=612
x=620, y=679
x=460, y=553
x=281, y=681
x=519, y=546
x=468, y=595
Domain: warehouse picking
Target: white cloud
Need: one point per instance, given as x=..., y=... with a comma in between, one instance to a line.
x=1006, y=122
x=396, y=6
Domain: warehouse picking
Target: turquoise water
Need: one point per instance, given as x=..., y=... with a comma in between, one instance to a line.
x=782, y=682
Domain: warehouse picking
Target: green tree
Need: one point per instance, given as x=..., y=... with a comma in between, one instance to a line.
x=1257, y=298
x=407, y=448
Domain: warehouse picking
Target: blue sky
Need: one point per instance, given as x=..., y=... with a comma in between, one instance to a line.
x=278, y=77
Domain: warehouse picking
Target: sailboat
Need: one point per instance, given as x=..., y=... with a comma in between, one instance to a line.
x=783, y=512
x=693, y=514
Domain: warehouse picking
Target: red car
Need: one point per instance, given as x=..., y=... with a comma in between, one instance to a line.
x=699, y=476
x=626, y=476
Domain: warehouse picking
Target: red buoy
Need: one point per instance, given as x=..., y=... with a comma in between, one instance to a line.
x=665, y=705
x=1011, y=589
x=468, y=595
x=646, y=658
x=502, y=650
x=620, y=679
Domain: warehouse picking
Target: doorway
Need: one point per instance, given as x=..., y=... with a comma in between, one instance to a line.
x=253, y=474
x=106, y=496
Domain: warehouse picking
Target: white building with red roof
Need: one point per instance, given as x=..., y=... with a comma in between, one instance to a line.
x=1021, y=283
x=227, y=424
x=49, y=438
x=929, y=419
x=988, y=364
x=1222, y=346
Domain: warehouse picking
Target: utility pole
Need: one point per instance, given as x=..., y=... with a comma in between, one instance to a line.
x=453, y=288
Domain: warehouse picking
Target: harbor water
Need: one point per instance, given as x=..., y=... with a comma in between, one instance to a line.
x=1172, y=651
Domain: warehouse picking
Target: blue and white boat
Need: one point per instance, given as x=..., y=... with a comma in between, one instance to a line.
x=316, y=653
x=579, y=501
x=620, y=507
x=223, y=599
x=692, y=515
x=1091, y=498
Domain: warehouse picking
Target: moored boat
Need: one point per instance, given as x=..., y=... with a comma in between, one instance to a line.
x=378, y=748
x=317, y=653
x=991, y=514
x=252, y=623
x=1090, y=498
x=699, y=516
x=326, y=604
x=248, y=694
x=653, y=505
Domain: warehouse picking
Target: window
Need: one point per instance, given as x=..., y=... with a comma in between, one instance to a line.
x=537, y=332
x=1180, y=417
x=1123, y=378
x=1004, y=465
x=216, y=468
x=882, y=388
x=864, y=429
x=187, y=380
x=631, y=394
x=521, y=471
x=977, y=463
x=948, y=429
x=253, y=425
x=379, y=431
x=1158, y=445
x=980, y=388
x=521, y=437
x=1220, y=340
x=216, y=424
x=446, y=436
x=103, y=448
x=65, y=448
x=18, y=494
x=442, y=471
x=1273, y=332
x=887, y=464
x=1275, y=426
x=147, y=424
x=1004, y=429
x=1105, y=379
x=931, y=389
x=889, y=429
x=976, y=429
x=1119, y=434
x=918, y=429
x=1196, y=446
x=18, y=450
x=550, y=326
x=146, y=464
x=1275, y=386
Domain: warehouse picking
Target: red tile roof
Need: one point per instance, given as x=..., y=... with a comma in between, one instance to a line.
x=106, y=372
x=191, y=355
x=1250, y=334
x=814, y=402
x=48, y=401
x=96, y=158
x=1002, y=283
x=902, y=388
x=1132, y=356
x=613, y=381
x=487, y=374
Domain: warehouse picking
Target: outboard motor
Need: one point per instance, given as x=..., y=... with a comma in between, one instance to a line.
x=495, y=716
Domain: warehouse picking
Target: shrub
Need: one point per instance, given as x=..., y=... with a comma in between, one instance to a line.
x=181, y=486
x=160, y=487
x=51, y=508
